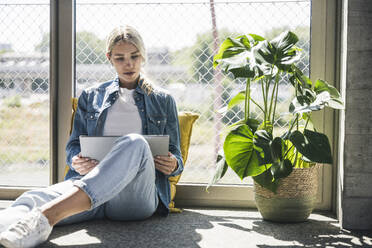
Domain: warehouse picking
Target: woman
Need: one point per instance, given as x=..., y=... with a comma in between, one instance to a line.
x=128, y=184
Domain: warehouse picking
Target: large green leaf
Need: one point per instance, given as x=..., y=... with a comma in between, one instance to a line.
x=239, y=66
x=278, y=149
x=253, y=124
x=229, y=48
x=250, y=40
x=263, y=59
x=286, y=52
x=240, y=154
x=219, y=172
x=320, y=102
x=284, y=42
x=303, y=79
x=295, y=157
x=323, y=95
x=281, y=169
x=335, y=100
x=312, y=145
x=235, y=56
x=252, y=56
x=303, y=86
x=280, y=51
x=254, y=38
x=261, y=141
x=237, y=99
x=267, y=181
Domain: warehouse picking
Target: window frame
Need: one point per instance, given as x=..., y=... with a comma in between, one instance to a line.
x=323, y=62
x=62, y=70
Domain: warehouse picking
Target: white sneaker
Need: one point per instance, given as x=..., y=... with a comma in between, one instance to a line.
x=30, y=231
x=2, y=228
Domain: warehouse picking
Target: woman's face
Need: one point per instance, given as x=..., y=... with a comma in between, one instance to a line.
x=127, y=61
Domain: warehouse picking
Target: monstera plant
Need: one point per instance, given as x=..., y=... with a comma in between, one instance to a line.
x=250, y=147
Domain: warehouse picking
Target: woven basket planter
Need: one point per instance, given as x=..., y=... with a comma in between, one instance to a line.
x=295, y=197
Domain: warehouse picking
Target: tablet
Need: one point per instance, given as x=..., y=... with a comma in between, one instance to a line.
x=96, y=147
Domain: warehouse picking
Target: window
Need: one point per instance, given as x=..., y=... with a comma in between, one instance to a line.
x=179, y=39
x=180, y=46
x=24, y=95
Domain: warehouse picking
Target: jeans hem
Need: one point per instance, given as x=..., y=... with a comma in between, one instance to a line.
x=84, y=187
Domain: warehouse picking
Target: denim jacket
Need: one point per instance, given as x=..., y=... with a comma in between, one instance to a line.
x=158, y=113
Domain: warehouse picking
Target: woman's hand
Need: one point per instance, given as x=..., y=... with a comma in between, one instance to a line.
x=83, y=165
x=166, y=164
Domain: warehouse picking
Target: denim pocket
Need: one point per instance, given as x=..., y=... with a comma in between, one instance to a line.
x=91, y=119
x=157, y=124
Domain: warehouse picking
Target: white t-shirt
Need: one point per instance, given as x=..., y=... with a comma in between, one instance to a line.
x=123, y=117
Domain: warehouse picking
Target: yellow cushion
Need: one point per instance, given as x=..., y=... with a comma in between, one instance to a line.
x=186, y=121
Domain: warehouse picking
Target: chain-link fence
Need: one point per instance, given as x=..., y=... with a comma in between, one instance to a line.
x=179, y=40
x=24, y=93
x=180, y=45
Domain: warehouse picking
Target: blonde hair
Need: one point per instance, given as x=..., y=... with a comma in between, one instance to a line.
x=125, y=34
x=129, y=34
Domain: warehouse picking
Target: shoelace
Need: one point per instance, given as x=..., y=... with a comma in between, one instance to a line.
x=25, y=226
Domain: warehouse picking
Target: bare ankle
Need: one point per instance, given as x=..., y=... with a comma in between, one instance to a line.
x=52, y=217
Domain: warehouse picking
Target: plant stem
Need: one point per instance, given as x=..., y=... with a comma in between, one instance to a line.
x=257, y=104
x=292, y=125
x=288, y=151
x=296, y=90
x=264, y=99
x=267, y=98
x=307, y=122
x=297, y=121
x=295, y=161
x=247, y=99
x=276, y=96
x=272, y=100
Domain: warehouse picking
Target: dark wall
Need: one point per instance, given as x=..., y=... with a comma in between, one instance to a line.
x=357, y=190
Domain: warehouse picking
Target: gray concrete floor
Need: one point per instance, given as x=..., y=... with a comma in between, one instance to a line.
x=209, y=228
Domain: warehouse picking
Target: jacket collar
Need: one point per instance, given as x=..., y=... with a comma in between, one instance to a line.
x=114, y=86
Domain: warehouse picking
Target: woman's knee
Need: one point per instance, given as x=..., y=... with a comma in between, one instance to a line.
x=134, y=139
x=135, y=142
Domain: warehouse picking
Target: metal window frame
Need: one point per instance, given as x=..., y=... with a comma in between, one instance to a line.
x=325, y=65
x=324, y=23
x=62, y=78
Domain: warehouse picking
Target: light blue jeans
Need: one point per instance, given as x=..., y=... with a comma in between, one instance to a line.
x=121, y=187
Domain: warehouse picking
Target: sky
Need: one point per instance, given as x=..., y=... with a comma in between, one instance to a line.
x=172, y=24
